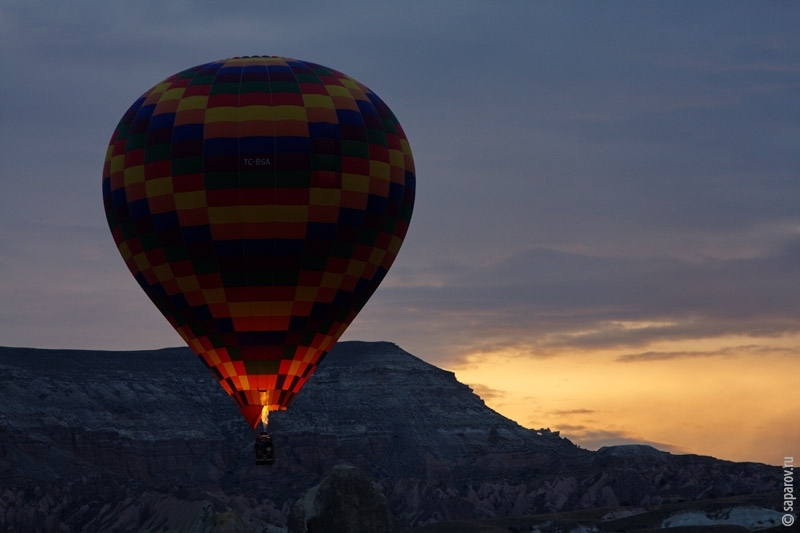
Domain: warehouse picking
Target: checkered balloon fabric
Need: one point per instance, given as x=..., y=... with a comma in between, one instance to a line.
x=259, y=202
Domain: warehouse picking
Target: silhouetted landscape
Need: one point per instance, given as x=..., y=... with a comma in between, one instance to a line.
x=147, y=440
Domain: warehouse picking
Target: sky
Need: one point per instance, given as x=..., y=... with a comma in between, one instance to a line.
x=606, y=236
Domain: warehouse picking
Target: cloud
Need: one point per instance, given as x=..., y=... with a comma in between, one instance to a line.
x=729, y=351
x=539, y=302
x=486, y=393
x=569, y=412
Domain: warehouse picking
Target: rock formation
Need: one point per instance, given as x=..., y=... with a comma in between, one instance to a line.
x=346, y=502
x=96, y=441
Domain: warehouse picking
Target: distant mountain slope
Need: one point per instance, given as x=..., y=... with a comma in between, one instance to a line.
x=147, y=440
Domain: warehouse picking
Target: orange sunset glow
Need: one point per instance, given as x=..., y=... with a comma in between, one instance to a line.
x=729, y=397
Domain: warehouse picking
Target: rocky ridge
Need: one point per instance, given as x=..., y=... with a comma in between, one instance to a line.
x=127, y=441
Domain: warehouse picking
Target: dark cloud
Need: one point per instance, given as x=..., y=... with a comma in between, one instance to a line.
x=730, y=351
x=542, y=300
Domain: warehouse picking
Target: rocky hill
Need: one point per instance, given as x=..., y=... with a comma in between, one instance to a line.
x=130, y=441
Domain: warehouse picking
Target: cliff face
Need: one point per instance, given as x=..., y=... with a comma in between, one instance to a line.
x=146, y=440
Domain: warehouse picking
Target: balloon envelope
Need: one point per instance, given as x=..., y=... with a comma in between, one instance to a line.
x=259, y=202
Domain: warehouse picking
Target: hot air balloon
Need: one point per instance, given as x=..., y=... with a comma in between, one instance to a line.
x=259, y=202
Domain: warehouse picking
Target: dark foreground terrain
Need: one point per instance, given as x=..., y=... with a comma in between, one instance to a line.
x=132, y=441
